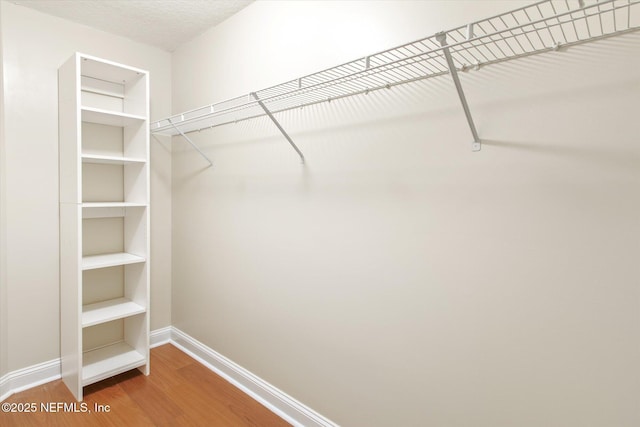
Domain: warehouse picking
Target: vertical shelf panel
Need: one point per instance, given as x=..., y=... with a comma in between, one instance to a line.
x=71, y=296
x=70, y=131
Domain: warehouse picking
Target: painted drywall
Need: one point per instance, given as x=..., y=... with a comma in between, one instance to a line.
x=34, y=46
x=3, y=251
x=398, y=278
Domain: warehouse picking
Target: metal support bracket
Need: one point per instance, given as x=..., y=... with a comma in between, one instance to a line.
x=442, y=39
x=191, y=142
x=275, y=122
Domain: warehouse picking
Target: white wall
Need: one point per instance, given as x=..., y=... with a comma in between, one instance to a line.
x=3, y=228
x=399, y=278
x=34, y=46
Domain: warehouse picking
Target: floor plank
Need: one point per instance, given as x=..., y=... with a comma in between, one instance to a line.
x=178, y=392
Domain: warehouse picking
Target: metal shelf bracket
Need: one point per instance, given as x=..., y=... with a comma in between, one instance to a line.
x=280, y=128
x=191, y=142
x=442, y=39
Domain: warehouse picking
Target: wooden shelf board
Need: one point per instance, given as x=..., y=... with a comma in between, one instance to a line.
x=110, y=118
x=89, y=89
x=113, y=205
x=106, y=311
x=102, y=69
x=110, y=260
x=110, y=160
x=108, y=361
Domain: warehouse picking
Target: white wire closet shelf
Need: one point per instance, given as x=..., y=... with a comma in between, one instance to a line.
x=540, y=27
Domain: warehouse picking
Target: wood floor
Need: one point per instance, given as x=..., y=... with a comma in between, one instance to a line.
x=179, y=392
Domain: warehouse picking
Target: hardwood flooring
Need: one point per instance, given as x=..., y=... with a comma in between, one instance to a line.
x=178, y=392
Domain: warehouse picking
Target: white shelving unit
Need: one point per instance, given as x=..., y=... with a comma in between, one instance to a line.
x=104, y=220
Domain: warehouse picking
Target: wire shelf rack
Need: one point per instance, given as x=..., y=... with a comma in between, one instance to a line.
x=540, y=27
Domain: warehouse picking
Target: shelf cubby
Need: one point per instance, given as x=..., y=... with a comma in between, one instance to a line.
x=110, y=360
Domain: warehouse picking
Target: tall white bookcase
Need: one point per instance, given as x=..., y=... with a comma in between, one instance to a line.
x=104, y=220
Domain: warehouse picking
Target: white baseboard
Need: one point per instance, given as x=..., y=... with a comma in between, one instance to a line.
x=160, y=337
x=271, y=397
x=29, y=377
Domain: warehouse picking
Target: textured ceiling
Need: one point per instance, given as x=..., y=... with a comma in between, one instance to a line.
x=162, y=23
